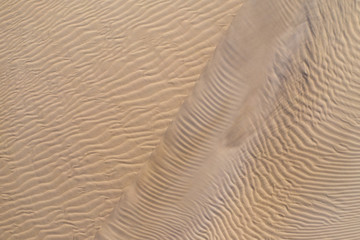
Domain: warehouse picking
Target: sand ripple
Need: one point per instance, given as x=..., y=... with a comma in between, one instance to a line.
x=176, y=120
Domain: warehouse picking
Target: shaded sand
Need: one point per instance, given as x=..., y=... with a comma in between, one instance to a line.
x=267, y=146
x=97, y=141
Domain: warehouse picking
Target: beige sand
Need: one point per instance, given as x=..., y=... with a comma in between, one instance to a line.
x=96, y=139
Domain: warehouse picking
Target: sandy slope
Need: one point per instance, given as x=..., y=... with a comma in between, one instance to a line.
x=95, y=137
x=87, y=89
x=267, y=146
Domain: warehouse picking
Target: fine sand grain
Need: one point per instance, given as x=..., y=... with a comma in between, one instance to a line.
x=184, y=120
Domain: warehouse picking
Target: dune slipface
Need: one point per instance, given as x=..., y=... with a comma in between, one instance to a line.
x=267, y=144
x=112, y=128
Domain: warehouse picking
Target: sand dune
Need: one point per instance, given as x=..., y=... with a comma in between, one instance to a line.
x=112, y=126
x=260, y=149
x=87, y=90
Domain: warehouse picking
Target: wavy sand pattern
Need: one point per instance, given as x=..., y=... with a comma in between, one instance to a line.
x=111, y=125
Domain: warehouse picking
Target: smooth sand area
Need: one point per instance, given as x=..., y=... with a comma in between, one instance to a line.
x=184, y=120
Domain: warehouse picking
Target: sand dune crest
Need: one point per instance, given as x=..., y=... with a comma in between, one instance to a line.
x=252, y=152
x=180, y=119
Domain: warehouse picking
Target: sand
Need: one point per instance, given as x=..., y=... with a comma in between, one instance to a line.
x=180, y=119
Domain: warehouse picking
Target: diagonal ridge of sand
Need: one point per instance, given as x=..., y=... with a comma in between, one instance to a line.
x=260, y=84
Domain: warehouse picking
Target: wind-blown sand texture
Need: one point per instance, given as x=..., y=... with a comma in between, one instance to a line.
x=112, y=127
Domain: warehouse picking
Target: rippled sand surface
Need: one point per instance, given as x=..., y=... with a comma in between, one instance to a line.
x=180, y=120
